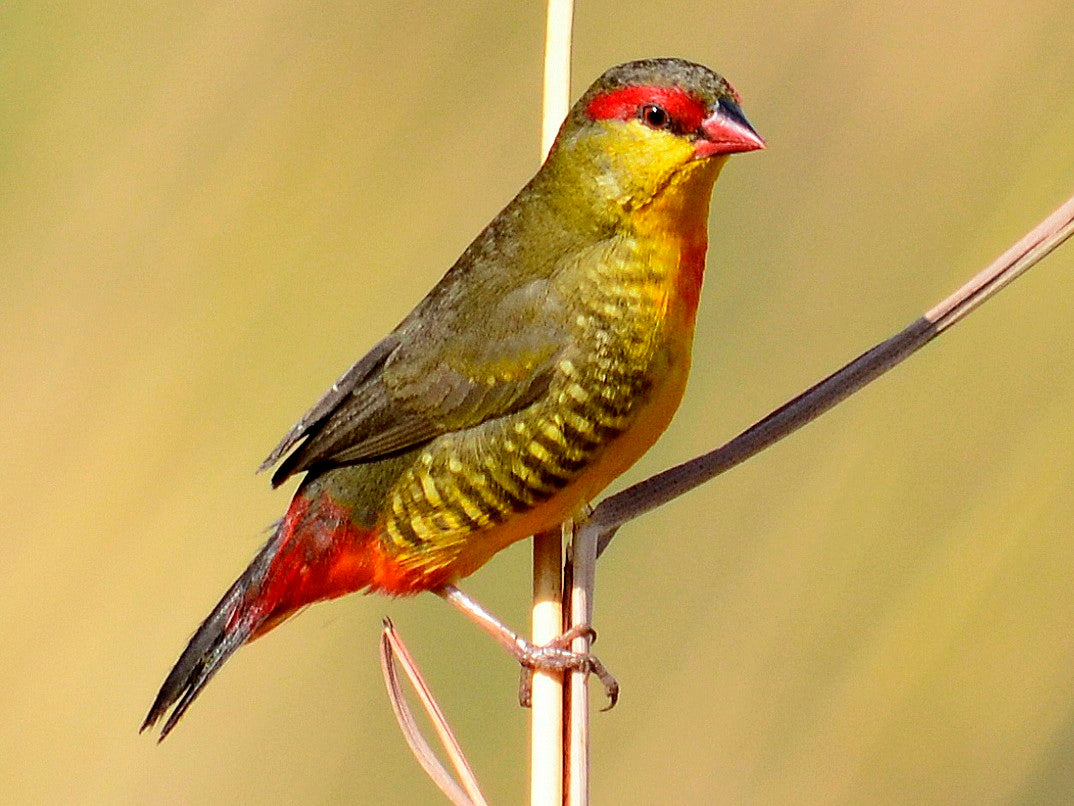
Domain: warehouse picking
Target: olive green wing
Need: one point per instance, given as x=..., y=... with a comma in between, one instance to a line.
x=471, y=352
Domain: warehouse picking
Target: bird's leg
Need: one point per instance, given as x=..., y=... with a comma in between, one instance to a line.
x=555, y=656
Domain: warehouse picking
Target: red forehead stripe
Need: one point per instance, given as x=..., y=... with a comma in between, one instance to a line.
x=623, y=104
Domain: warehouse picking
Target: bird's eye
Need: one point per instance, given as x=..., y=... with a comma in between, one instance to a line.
x=655, y=116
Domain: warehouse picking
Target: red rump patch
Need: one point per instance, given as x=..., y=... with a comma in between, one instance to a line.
x=324, y=554
x=623, y=104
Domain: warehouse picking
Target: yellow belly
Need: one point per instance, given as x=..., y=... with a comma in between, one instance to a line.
x=473, y=494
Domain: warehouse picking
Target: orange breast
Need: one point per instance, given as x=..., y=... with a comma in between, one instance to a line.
x=641, y=351
x=669, y=376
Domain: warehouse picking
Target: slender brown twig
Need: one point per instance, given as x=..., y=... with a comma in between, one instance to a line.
x=657, y=490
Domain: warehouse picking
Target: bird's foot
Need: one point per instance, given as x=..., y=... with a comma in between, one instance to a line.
x=557, y=656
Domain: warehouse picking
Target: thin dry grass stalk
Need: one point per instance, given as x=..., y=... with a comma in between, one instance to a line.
x=657, y=490
x=463, y=791
x=546, y=717
x=583, y=574
x=546, y=687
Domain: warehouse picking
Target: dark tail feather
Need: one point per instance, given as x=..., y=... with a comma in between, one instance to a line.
x=230, y=625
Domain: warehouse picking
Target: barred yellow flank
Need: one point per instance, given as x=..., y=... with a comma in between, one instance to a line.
x=467, y=497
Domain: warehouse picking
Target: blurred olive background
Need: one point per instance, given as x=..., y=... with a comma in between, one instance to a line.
x=210, y=210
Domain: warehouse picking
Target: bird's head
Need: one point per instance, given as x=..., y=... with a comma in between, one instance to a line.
x=646, y=126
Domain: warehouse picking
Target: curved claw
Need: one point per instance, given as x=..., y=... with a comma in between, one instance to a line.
x=565, y=640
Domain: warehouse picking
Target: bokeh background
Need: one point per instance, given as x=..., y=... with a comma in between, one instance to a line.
x=209, y=210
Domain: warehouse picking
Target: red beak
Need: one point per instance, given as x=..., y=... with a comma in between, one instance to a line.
x=726, y=131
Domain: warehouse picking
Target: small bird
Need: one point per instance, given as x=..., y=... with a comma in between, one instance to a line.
x=546, y=361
